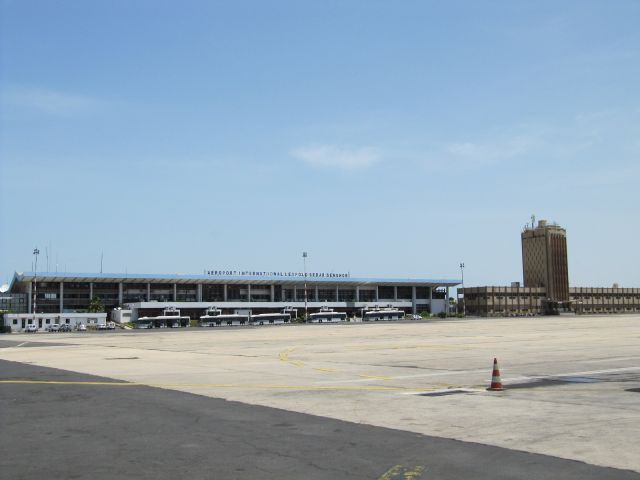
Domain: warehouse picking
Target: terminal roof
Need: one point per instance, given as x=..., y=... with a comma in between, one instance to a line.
x=232, y=279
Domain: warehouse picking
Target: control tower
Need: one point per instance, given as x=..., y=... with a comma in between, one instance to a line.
x=544, y=261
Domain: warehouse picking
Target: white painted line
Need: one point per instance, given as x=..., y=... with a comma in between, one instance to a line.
x=464, y=372
x=403, y=377
x=611, y=359
x=444, y=390
x=23, y=343
x=572, y=374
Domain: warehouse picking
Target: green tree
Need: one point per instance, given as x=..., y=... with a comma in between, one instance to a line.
x=95, y=306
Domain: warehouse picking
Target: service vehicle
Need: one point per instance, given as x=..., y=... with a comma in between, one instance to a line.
x=31, y=329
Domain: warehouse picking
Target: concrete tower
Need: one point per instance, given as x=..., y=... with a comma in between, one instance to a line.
x=544, y=260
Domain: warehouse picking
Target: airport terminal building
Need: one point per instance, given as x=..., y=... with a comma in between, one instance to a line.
x=257, y=292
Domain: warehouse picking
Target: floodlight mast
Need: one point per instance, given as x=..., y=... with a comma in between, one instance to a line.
x=36, y=252
x=464, y=303
x=306, y=311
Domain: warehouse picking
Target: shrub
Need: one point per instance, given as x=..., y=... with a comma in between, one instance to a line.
x=442, y=315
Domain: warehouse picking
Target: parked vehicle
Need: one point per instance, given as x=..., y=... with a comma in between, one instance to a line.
x=82, y=327
x=111, y=326
x=31, y=329
x=102, y=326
x=65, y=327
x=54, y=327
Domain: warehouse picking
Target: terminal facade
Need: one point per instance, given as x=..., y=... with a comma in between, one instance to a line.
x=148, y=295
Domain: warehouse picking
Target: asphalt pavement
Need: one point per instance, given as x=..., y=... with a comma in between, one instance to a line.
x=81, y=426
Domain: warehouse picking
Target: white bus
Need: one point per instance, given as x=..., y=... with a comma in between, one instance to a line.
x=326, y=315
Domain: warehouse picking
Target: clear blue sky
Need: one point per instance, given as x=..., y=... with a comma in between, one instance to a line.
x=385, y=138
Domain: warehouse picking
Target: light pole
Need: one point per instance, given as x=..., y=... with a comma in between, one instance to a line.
x=304, y=261
x=464, y=303
x=36, y=252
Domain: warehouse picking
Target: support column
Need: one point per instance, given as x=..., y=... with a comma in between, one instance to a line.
x=90, y=291
x=377, y=295
x=199, y=292
x=148, y=292
x=337, y=293
x=316, y=294
x=273, y=293
x=446, y=301
x=295, y=293
x=120, y=294
x=248, y=292
x=175, y=292
x=413, y=300
x=430, y=299
x=61, y=297
x=225, y=292
x=357, y=294
x=395, y=294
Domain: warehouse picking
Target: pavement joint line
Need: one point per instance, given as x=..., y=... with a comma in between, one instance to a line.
x=372, y=388
x=408, y=347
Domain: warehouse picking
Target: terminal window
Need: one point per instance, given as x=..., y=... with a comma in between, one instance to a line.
x=385, y=293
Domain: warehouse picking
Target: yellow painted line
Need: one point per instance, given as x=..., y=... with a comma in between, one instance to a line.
x=415, y=473
x=326, y=369
x=392, y=472
x=377, y=377
x=408, y=473
x=284, y=357
x=214, y=385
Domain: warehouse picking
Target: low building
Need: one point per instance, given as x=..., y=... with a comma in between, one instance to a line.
x=521, y=301
x=605, y=300
x=19, y=321
x=119, y=315
x=492, y=301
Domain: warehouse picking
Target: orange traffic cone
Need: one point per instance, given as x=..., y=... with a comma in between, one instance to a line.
x=496, y=383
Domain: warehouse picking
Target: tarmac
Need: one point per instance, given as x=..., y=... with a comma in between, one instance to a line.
x=383, y=400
